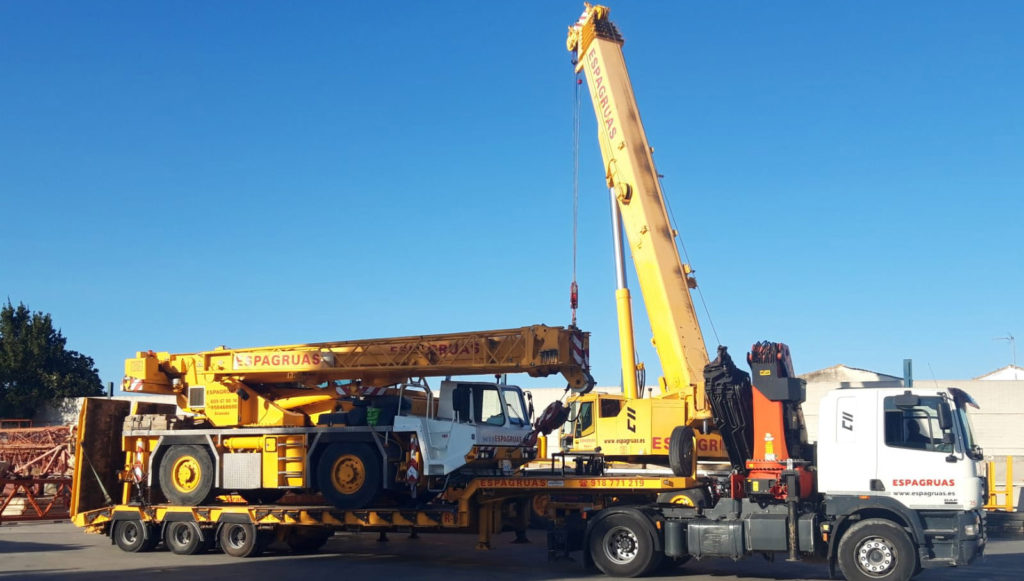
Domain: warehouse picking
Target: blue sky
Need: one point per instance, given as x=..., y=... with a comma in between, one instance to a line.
x=847, y=177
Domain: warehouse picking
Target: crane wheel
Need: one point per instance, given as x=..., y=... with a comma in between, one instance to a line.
x=186, y=475
x=680, y=451
x=691, y=497
x=262, y=495
x=349, y=475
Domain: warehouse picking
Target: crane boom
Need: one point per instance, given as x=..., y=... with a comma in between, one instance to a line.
x=665, y=281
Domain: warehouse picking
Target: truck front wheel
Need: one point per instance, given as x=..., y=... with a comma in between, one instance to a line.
x=349, y=475
x=621, y=545
x=876, y=550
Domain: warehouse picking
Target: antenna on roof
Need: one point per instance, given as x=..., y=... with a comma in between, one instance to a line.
x=1013, y=346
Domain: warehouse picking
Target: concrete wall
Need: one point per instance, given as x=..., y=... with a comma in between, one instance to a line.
x=66, y=412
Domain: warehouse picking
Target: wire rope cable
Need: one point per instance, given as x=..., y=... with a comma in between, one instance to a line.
x=686, y=255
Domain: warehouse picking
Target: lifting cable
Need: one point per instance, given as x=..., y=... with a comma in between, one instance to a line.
x=686, y=257
x=574, y=289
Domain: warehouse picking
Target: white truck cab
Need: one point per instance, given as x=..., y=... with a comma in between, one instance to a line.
x=899, y=464
x=914, y=446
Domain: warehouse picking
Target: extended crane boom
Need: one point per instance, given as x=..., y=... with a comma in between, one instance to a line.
x=665, y=280
x=674, y=426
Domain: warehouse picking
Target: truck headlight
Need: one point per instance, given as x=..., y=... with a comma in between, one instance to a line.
x=974, y=528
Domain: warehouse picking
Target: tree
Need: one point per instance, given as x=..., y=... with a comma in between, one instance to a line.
x=35, y=366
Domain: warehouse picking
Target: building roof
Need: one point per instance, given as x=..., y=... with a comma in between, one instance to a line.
x=842, y=373
x=1010, y=372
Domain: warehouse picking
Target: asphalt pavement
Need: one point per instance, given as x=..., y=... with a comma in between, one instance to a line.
x=60, y=551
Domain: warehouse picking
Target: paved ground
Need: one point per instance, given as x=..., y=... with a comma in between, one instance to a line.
x=52, y=551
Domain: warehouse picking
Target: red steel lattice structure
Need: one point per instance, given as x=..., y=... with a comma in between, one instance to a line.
x=35, y=472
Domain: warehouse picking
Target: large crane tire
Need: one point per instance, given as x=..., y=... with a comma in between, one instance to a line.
x=680, y=451
x=186, y=475
x=349, y=475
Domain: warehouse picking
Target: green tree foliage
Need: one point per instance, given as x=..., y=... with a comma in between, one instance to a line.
x=35, y=366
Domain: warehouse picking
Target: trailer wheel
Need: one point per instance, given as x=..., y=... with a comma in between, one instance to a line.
x=134, y=536
x=184, y=538
x=349, y=475
x=621, y=545
x=302, y=540
x=186, y=475
x=241, y=540
x=876, y=550
x=680, y=451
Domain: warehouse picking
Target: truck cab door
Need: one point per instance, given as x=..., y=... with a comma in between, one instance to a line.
x=917, y=460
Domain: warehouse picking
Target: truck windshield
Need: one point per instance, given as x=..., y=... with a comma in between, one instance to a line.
x=514, y=406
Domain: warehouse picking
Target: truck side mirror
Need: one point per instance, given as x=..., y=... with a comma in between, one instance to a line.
x=529, y=408
x=945, y=417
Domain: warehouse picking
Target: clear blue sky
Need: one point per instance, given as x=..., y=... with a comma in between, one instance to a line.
x=847, y=177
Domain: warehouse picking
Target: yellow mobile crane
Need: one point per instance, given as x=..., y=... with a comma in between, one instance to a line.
x=347, y=419
x=673, y=424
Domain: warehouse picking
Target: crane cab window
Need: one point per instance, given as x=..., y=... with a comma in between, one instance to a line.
x=487, y=405
x=916, y=427
x=610, y=407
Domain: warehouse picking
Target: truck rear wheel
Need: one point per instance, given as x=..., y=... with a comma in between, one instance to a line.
x=186, y=475
x=622, y=545
x=184, y=538
x=134, y=536
x=680, y=451
x=349, y=475
x=876, y=550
